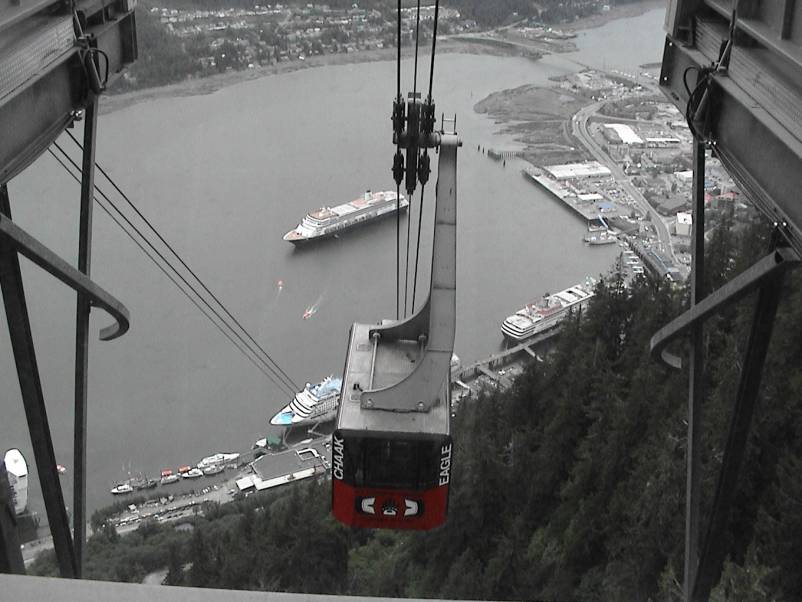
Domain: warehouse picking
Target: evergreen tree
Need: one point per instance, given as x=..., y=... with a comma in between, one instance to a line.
x=200, y=555
x=175, y=568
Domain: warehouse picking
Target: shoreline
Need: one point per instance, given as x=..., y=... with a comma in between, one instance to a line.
x=213, y=83
x=622, y=11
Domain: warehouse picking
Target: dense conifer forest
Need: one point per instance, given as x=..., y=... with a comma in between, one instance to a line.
x=568, y=486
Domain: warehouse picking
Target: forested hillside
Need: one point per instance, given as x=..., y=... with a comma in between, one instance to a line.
x=569, y=486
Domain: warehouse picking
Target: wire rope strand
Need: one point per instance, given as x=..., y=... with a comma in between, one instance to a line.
x=406, y=267
x=417, y=37
x=398, y=252
x=167, y=274
x=414, y=94
x=284, y=375
x=399, y=100
x=398, y=56
x=434, y=44
x=277, y=380
x=417, y=247
x=281, y=384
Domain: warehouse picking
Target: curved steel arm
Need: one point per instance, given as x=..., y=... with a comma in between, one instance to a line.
x=770, y=266
x=420, y=390
x=27, y=245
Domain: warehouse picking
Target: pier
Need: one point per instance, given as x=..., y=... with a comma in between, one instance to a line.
x=486, y=367
x=589, y=206
x=499, y=155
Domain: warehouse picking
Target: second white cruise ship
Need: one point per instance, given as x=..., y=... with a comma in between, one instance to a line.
x=328, y=221
x=316, y=403
x=538, y=317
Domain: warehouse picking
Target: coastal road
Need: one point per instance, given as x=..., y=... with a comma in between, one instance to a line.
x=579, y=127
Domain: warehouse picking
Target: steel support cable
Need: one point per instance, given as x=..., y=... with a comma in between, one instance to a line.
x=151, y=256
x=417, y=247
x=398, y=56
x=409, y=211
x=398, y=253
x=417, y=34
x=434, y=45
x=423, y=185
x=399, y=100
x=271, y=377
x=406, y=266
x=275, y=378
x=275, y=365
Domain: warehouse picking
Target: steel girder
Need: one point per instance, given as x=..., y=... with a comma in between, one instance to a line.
x=753, y=118
x=82, y=334
x=736, y=71
x=43, y=80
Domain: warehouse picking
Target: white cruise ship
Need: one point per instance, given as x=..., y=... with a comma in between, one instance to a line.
x=17, y=470
x=316, y=403
x=538, y=317
x=328, y=221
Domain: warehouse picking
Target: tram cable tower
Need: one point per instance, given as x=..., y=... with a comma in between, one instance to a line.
x=735, y=69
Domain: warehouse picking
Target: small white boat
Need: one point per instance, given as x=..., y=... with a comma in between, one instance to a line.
x=194, y=473
x=122, y=489
x=17, y=470
x=601, y=238
x=213, y=470
x=218, y=458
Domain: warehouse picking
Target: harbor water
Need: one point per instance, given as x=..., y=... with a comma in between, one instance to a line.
x=223, y=176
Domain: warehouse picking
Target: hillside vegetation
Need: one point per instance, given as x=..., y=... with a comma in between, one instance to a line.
x=568, y=486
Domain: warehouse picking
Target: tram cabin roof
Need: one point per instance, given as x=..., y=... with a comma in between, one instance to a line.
x=395, y=360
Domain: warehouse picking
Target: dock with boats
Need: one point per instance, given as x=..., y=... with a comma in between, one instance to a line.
x=590, y=205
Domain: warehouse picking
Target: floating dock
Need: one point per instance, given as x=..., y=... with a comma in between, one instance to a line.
x=500, y=155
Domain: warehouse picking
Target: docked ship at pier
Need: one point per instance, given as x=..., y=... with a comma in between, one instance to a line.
x=315, y=403
x=546, y=313
x=330, y=221
x=17, y=471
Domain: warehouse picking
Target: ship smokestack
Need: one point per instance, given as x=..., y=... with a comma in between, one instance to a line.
x=367, y=195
